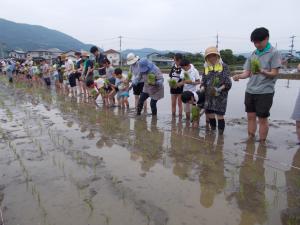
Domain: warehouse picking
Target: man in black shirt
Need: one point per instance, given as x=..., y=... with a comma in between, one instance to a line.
x=99, y=59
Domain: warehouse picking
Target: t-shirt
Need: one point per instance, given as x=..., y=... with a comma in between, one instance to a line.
x=88, y=63
x=110, y=72
x=135, y=70
x=194, y=75
x=99, y=83
x=69, y=67
x=175, y=73
x=100, y=60
x=258, y=83
x=45, y=70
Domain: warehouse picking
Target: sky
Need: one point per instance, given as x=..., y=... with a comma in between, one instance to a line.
x=189, y=25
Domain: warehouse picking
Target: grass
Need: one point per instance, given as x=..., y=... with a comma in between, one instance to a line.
x=295, y=220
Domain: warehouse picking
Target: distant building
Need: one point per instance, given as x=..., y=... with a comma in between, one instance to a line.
x=48, y=54
x=71, y=54
x=113, y=56
x=55, y=52
x=160, y=60
x=17, y=54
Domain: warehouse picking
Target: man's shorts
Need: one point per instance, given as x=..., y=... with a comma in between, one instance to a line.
x=137, y=89
x=259, y=104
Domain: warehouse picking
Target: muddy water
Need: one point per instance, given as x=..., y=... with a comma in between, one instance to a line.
x=68, y=161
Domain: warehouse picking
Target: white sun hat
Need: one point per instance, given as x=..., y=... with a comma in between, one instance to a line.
x=132, y=59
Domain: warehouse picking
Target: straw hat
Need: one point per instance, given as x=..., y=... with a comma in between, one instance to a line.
x=85, y=54
x=132, y=59
x=211, y=50
x=63, y=57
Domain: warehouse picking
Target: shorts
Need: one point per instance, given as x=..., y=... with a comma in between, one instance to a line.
x=176, y=91
x=47, y=81
x=259, y=104
x=72, y=80
x=123, y=94
x=77, y=76
x=219, y=113
x=137, y=89
x=29, y=77
x=60, y=78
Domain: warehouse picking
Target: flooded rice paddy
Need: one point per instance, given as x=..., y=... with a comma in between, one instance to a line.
x=66, y=161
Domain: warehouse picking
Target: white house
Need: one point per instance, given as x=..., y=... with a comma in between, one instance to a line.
x=48, y=54
x=55, y=52
x=17, y=54
x=38, y=54
x=113, y=56
x=71, y=54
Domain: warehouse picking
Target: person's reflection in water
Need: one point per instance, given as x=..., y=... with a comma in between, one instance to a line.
x=148, y=143
x=180, y=150
x=212, y=179
x=251, y=197
x=292, y=213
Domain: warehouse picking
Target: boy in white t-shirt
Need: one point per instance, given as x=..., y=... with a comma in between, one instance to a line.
x=190, y=79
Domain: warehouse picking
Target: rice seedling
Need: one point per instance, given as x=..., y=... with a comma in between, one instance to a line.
x=151, y=79
x=255, y=66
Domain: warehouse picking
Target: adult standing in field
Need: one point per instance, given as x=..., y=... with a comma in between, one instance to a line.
x=99, y=60
x=9, y=71
x=46, y=72
x=134, y=70
x=153, y=86
x=87, y=73
x=78, y=71
x=176, y=91
x=70, y=70
x=296, y=116
x=261, y=68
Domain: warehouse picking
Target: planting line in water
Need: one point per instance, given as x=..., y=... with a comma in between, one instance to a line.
x=255, y=155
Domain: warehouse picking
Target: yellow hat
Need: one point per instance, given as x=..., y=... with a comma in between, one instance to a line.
x=211, y=50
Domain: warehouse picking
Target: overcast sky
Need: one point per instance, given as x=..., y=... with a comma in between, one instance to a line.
x=190, y=25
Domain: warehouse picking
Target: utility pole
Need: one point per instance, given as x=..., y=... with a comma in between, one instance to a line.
x=121, y=63
x=292, y=45
x=217, y=44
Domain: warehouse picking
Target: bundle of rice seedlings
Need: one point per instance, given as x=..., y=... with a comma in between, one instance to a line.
x=151, y=79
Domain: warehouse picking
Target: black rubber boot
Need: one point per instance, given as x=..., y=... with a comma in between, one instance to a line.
x=221, y=126
x=213, y=124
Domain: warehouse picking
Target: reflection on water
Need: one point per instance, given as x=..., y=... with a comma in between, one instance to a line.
x=105, y=165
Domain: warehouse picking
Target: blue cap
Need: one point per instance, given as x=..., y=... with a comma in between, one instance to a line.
x=145, y=65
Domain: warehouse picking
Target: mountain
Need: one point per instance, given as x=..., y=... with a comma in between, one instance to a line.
x=29, y=37
x=143, y=52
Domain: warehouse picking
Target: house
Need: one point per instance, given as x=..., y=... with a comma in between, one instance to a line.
x=71, y=54
x=48, y=54
x=160, y=60
x=55, y=52
x=113, y=56
x=38, y=54
x=17, y=54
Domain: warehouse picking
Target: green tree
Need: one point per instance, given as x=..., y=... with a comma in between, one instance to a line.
x=227, y=56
